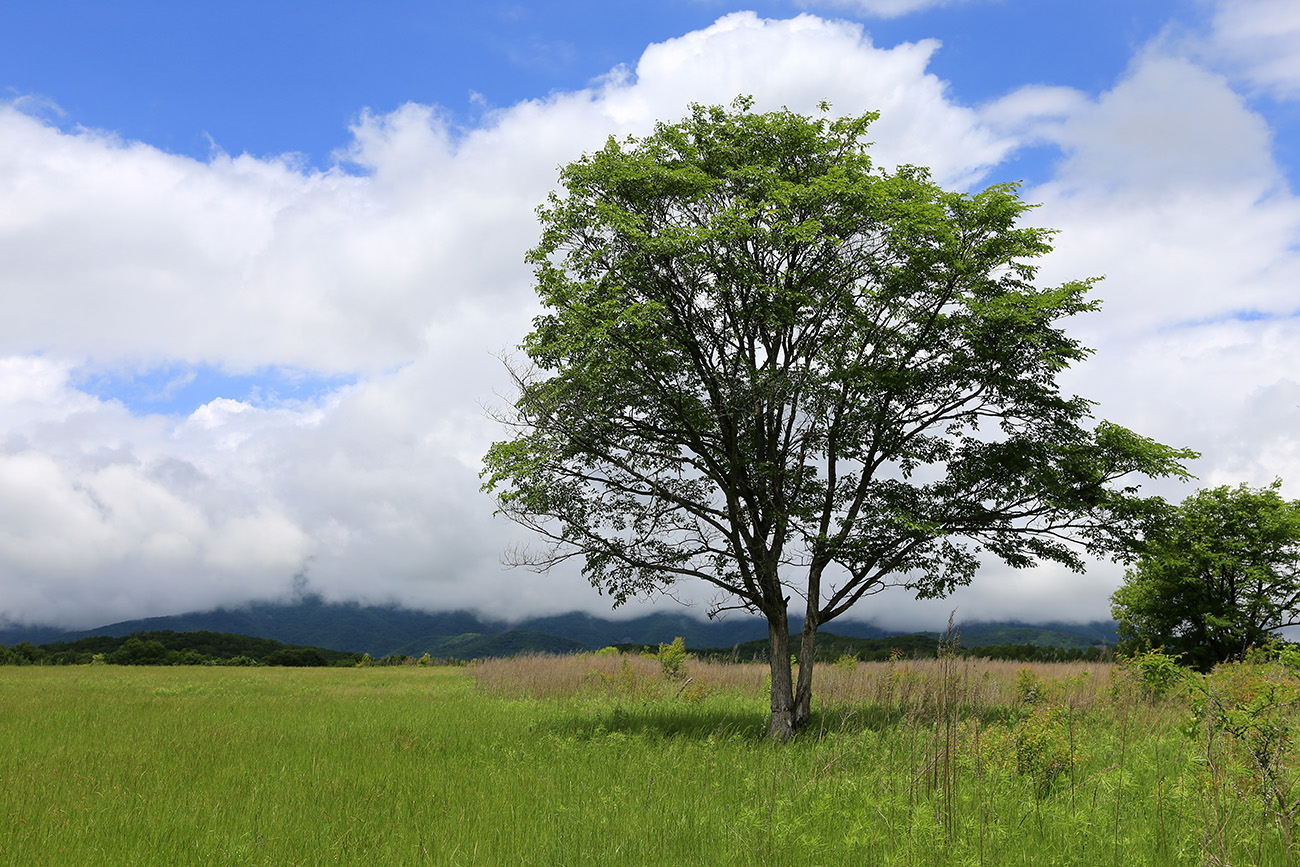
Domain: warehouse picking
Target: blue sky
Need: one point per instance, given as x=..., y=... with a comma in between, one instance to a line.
x=258, y=259
x=289, y=77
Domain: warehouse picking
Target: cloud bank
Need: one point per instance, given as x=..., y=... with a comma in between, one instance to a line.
x=400, y=269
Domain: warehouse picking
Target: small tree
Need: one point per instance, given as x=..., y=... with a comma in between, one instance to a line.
x=672, y=658
x=769, y=366
x=1220, y=575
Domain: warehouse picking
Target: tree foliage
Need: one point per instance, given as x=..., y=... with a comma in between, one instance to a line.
x=167, y=647
x=768, y=365
x=1220, y=575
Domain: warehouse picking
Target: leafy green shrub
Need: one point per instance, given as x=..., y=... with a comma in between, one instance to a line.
x=1029, y=687
x=672, y=658
x=1043, y=748
x=1037, y=747
x=424, y=661
x=627, y=681
x=241, y=661
x=1246, y=715
x=303, y=657
x=1155, y=672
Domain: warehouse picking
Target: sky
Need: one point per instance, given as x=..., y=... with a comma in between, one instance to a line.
x=259, y=262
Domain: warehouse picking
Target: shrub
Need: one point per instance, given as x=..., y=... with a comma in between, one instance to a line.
x=1037, y=747
x=1246, y=714
x=302, y=657
x=1155, y=672
x=1029, y=687
x=242, y=660
x=1043, y=749
x=672, y=658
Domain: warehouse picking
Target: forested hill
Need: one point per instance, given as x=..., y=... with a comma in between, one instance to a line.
x=165, y=647
x=383, y=631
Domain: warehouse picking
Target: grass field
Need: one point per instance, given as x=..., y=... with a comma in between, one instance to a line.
x=603, y=760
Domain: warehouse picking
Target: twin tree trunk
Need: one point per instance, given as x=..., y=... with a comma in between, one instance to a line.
x=791, y=702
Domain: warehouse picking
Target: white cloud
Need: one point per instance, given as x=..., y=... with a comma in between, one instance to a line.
x=403, y=269
x=1259, y=40
x=406, y=272
x=1169, y=189
x=881, y=8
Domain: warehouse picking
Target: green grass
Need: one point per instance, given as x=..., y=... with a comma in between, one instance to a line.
x=390, y=766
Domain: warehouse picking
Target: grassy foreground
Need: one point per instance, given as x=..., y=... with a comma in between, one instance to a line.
x=604, y=761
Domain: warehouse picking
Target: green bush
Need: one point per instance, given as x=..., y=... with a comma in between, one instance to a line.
x=1043, y=749
x=1029, y=687
x=1155, y=672
x=1245, y=716
x=672, y=658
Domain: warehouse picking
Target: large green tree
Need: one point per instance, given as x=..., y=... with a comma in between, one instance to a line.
x=1220, y=575
x=770, y=366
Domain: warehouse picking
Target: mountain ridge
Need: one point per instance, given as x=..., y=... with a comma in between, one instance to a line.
x=384, y=630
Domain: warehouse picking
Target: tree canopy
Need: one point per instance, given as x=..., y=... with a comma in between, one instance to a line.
x=766, y=364
x=1220, y=575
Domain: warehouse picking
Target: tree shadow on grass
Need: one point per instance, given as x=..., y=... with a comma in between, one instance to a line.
x=878, y=718
x=660, y=719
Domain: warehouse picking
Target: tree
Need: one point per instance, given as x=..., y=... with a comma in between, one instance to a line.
x=138, y=651
x=1218, y=576
x=768, y=365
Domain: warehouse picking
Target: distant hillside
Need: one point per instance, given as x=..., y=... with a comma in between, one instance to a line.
x=1051, y=634
x=385, y=630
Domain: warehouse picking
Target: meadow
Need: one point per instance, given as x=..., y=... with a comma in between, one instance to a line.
x=606, y=760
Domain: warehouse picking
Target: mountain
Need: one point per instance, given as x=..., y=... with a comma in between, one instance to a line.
x=384, y=630
x=1079, y=636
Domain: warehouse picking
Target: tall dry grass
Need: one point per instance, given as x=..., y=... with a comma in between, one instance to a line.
x=912, y=685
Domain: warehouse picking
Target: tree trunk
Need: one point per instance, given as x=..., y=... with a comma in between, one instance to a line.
x=807, y=656
x=784, y=720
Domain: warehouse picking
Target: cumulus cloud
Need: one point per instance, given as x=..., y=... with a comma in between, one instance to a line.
x=400, y=269
x=1259, y=40
x=1168, y=188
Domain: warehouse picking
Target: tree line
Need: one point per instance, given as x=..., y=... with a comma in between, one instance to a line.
x=166, y=647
